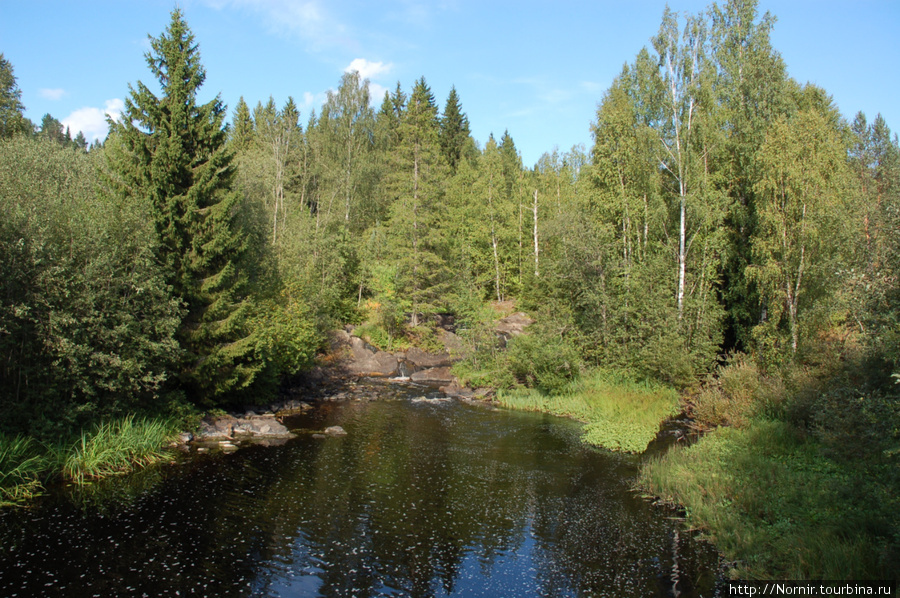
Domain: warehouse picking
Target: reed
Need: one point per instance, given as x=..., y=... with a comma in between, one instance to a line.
x=22, y=465
x=117, y=447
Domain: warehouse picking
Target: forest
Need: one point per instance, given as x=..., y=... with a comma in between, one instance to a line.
x=728, y=234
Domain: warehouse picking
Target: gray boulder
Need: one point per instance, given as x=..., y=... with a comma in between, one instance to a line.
x=423, y=360
x=439, y=375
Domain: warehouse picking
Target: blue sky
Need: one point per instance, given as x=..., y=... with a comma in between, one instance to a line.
x=537, y=69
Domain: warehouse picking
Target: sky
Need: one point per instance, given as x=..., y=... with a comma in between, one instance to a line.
x=535, y=69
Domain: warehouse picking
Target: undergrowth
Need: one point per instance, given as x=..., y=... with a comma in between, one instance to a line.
x=772, y=502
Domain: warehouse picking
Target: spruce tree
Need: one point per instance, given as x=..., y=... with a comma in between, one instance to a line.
x=416, y=182
x=454, y=132
x=169, y=151
x=242, y=127
x=11, y=120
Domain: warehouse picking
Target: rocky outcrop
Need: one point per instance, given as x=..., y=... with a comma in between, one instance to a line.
x=433, y=376
x=512, y=325
x=355, y=356
x=362, y=359
x=423, y=360
x=366, y=360
x=229, y=427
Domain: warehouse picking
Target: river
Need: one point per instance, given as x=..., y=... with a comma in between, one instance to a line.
x=420, y=498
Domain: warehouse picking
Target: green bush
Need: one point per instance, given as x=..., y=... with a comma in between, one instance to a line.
x=543, y=361
x=88, y=320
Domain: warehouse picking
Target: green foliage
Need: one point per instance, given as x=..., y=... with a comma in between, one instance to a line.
x=22, y=465
x=88, y=323
x=117, y=447
x=543, y=360
x=455, y=139
x=12, y=122
x=621, y=414
x=775, y=505
x=802, y=196
x=169, y=154
x=286, y=334
x=737, y=394
x=416, y=180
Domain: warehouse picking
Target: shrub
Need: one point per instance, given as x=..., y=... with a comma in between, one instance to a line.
x=738, y=393
x=542, y=361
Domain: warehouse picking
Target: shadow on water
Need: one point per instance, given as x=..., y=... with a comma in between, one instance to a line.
x=421, y=498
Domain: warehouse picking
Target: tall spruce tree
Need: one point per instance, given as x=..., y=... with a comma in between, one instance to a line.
x=11, y=120
x=454, y=132
x=169, y=151
x=417, y=179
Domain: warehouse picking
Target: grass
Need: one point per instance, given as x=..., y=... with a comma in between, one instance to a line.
x=621, y=414
x=777, y=507
x=117, y=447
x=111, y=448
x=22, y=463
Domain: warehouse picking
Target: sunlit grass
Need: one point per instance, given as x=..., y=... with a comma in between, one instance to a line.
x=776, y=506
x=117, y=447
x=22, y=464
x=620, y=413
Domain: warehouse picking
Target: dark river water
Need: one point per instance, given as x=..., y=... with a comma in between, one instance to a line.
x=420, y=498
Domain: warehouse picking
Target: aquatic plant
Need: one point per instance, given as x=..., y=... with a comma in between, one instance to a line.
x=117, y=447
x=22, y=464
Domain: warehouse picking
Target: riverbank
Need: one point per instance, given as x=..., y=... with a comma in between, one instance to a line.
x=112, y=448
x=777, y=500
x=777, y=507
x=620, y=413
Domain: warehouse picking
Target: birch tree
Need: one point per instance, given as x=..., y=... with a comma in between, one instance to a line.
x=801, y=196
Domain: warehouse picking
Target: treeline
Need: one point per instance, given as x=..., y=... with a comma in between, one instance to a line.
x=722, y=206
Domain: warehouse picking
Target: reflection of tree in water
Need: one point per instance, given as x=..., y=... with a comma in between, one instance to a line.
x=418, y=499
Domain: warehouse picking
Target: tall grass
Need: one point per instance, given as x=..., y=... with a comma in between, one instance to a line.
x=22, y=465
x=773, y=503
x=117, y=447
x=621, y=413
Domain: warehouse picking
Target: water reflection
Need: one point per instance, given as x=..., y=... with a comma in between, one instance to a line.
x=419, y=499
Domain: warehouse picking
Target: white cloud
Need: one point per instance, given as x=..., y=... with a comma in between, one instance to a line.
x=368, y=69
x=376, y=93
x=92, y=121
x=52, y=94
x=306, y=19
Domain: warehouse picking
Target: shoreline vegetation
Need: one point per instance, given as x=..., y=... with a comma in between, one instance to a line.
x=112, y=448
x=620, y=414
x=729, y=245
x=779, y=498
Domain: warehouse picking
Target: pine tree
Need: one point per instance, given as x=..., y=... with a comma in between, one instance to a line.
x=170, y=152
